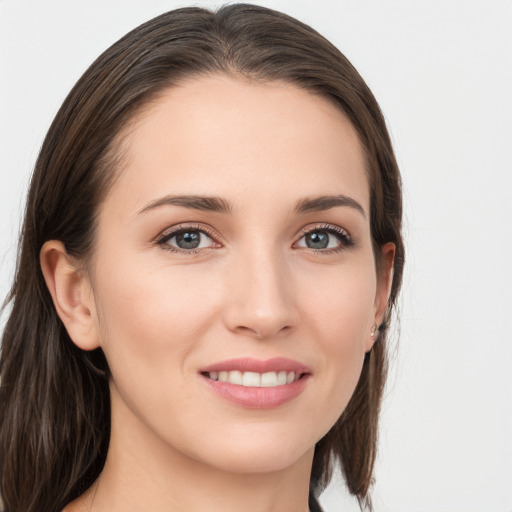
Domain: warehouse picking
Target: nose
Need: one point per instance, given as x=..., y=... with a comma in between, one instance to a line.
x=261, y=301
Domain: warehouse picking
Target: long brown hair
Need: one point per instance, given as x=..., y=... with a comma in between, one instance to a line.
x=55, y=405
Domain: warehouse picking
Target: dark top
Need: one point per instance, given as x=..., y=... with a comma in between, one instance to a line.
x=313, y=504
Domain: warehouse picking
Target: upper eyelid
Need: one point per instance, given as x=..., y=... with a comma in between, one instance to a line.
x=174, y=230
x=323, y=227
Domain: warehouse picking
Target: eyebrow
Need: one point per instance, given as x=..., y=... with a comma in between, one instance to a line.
x=220, y=205
x=205, y=203
x=321, y=203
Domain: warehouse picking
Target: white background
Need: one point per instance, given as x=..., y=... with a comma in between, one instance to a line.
x=442, y=72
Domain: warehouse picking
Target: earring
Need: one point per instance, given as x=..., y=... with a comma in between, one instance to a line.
x=373, y=331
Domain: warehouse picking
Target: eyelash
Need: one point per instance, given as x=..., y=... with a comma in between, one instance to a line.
x=344, y=238
x=169, y=234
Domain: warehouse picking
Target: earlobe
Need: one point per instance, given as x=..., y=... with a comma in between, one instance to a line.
x=71, y=293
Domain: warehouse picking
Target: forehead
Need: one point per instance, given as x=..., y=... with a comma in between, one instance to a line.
x=227, y=136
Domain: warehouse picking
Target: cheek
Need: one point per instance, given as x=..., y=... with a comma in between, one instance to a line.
x=340, y=314
x=151, y=317
x=151, y=320
x=340, y=305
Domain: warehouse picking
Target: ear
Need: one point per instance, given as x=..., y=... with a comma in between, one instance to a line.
x=383, y=290
x=71, y=293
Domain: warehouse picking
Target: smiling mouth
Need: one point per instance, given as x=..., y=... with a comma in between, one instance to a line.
x=255, y=379
x=257, y=384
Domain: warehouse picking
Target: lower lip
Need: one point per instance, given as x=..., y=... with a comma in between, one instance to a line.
x=258, y=398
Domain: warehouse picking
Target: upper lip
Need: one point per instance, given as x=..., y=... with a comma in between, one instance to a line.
x=247, y=364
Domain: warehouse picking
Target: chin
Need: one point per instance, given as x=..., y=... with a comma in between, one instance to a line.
x=262, y=461
x=265, y=455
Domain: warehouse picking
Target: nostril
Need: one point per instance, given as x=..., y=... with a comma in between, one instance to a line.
x=242, y=329
x=263, y=331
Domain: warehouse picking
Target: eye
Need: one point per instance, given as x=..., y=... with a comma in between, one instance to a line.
x=325, y=238
x=187, y=239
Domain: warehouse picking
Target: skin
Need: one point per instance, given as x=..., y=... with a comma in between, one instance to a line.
x=253, y=289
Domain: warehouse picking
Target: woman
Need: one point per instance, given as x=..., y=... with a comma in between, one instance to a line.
x=210, y=256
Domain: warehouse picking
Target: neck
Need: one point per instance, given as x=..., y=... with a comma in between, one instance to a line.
x=142, y=472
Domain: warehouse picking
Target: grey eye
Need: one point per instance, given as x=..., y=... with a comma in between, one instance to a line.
x=325, y=238
x=189, y=239
x=317, y=240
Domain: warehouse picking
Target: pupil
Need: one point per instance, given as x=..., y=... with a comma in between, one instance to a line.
x=188, y=240
x=317, y=240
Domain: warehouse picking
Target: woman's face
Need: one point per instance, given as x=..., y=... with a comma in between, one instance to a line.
x=234, y=281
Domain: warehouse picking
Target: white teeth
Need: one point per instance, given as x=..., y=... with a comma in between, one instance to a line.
x=268, y=380
x=251, y=380
x=254, y=379
x=235, y=377
x=281, y=378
